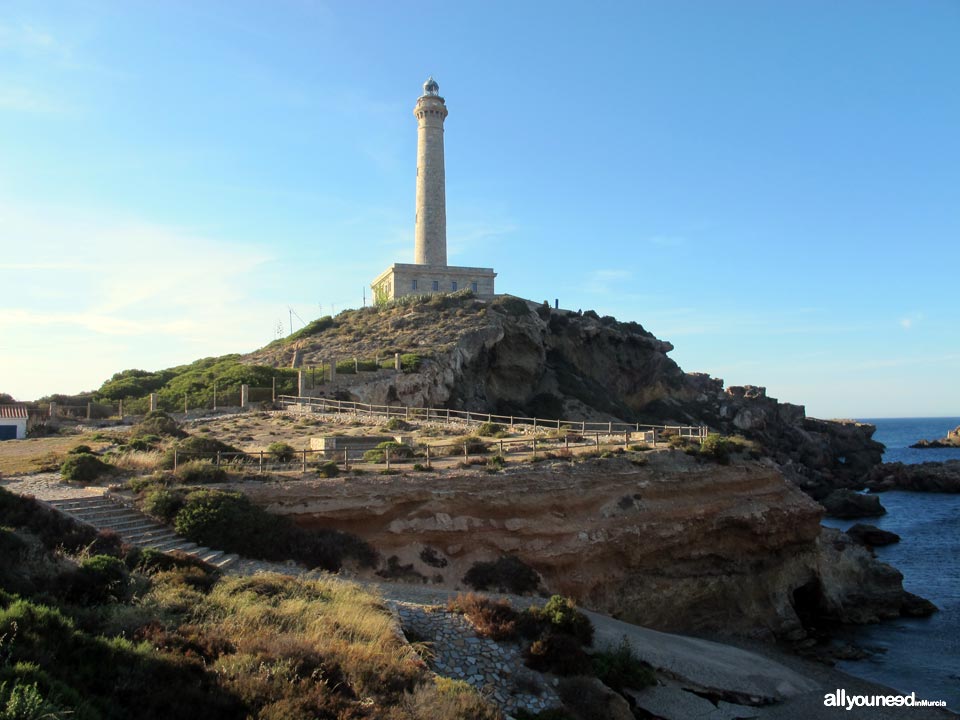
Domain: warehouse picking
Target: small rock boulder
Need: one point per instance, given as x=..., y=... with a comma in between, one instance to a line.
x=872, y=535
x=916, y=606
x=848, y=504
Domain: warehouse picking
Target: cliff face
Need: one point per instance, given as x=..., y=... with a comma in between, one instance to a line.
x=517, y=358
x=674, y=544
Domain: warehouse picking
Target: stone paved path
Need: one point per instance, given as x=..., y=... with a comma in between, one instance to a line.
x=494, y=668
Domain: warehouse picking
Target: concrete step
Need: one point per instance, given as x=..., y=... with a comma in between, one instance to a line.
x=131, y=524
x=226, y=561
x=157, y=534
x=206, y=554
x=176, y=543
x=97, y=503
x=97, y=514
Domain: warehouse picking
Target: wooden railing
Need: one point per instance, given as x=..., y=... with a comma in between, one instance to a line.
x=326, y=405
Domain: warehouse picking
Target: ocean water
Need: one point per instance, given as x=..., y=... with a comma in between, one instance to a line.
x=917, y=655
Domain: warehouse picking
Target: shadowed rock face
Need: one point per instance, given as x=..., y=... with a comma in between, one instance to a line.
x=676, y=544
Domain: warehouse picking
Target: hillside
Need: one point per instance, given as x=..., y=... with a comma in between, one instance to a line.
x=510, y=356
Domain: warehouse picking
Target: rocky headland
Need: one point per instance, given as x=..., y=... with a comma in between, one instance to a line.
x=514, y=357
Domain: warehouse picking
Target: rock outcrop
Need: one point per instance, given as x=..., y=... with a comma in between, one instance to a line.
x=952, y=440
x=513, y=357
x=850, y=504
x=674, y=544
x=872, y=536
x=925, y=477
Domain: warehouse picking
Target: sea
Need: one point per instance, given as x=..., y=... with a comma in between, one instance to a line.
x=916, y=655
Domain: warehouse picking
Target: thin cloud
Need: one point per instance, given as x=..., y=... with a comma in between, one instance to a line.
x=667, y=240
x=601, y=282
x=909, y=321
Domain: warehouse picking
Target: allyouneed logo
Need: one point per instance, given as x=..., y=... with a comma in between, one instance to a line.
x=839, y=698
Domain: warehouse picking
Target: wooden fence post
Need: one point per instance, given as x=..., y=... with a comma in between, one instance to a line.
x=501, y=448
x=597, y=438
x=626, y=439
x=346, y=460
x=566, y=442
x=260, y=469
x=218, y=458
x=386, y=455
x=466, y=456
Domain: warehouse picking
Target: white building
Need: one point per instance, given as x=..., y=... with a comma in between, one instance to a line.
x=13, y=422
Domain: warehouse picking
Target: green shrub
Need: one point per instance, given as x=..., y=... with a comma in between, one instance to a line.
x=200, y=472
x=80, y=450
x=281, y=451
x=328, y=469
x=22, y=701
x=158, y=422
x=398, y=451
x=163, y=504
x=142, y=443
x=410, y=362
x=719, y=448
x=507, y=574
x=563, y=617
x=229, y=521
x=490, y=429
x=640, y=447
x=196, y=447
x=475, y=446
x=620, y=669
x=396, y=424
x=83, y=468
x=496, y=462
x=557, y=653
x=99, y=579
x=420, y=467
x=677, y=442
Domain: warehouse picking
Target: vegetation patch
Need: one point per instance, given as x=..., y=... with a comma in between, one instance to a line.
x=83, y=468
x=229, y=521
x=199, y=472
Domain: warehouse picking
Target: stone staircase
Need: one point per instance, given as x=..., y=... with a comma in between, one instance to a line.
x=105, y=512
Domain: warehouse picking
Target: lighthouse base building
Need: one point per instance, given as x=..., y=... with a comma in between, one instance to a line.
x=429, y=273
x=408, y=279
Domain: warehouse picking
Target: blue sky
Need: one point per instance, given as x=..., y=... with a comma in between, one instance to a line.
x=774, y=187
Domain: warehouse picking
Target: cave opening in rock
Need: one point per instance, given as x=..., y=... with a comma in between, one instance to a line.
x=808, y=603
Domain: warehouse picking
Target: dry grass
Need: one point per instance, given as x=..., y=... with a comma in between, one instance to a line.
x=43, y=453
x=141, y=461
x=495, y=619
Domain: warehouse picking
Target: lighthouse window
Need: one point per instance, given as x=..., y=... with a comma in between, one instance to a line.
x=436, y=285
x=413, y=285
x=453, y=285
x=473, y=286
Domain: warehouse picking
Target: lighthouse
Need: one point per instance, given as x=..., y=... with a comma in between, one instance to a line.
x=429, y=272
x=430, y=234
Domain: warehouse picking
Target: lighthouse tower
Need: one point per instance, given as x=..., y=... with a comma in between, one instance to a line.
x=430, y=237
x=429, y=272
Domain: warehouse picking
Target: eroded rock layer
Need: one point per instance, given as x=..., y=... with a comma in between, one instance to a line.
x=675, y=543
